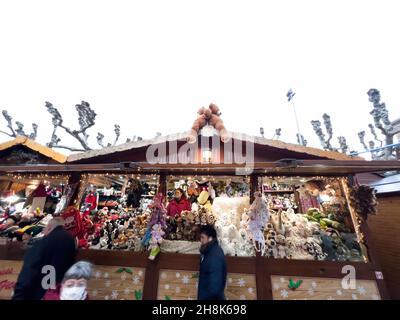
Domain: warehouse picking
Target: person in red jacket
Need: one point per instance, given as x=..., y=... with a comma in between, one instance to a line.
x=178, y=204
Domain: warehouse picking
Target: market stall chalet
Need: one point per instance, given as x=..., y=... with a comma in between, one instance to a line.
x=313, y=238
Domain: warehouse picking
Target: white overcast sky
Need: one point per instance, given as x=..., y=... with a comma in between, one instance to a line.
x=149, y=65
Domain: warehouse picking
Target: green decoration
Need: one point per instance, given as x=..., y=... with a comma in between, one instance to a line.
x=138, y=294
x=294, y=285
x=168, y=298
x=195, y=275
x=123, y=269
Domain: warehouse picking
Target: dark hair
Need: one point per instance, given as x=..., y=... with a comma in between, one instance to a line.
x=209, y=231
x=181, y=191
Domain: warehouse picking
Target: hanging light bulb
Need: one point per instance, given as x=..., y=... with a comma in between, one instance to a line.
x=206, y=155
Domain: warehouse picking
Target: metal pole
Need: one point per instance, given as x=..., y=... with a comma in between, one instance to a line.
x=378, y=149
x=297, y=124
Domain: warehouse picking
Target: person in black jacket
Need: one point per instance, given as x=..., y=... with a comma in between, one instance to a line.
x=57, y=249
x=212, y=278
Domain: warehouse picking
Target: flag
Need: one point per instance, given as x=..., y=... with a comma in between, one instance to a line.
x=290, y=94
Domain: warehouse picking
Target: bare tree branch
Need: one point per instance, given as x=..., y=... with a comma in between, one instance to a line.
x=373, y=132
x=329, y=130
x=117, y=130
x=381, y=120
x=20, y=129
x=70, y=148
x=301, y=140
x=33, y=135
x=86, y=120
x=326, y=143
x=316, y=124
x=277, y=134
x=361, y=137
x=100, y=138
x=9, y=124
x=343, y=144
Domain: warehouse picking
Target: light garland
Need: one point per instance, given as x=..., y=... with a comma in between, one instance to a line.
x=299, y=177
x=43, y=176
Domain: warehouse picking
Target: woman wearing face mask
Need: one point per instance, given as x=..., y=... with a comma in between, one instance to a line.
x=73, y=285
x=178, y=204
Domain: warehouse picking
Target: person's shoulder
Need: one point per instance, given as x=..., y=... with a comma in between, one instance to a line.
x=52, y=294
x=60, y=234
x=218, y=250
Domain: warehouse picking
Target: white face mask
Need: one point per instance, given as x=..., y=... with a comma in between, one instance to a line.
x=73, y=293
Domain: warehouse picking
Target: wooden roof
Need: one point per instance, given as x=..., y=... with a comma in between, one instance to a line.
x=43, y=150
x=278, y=145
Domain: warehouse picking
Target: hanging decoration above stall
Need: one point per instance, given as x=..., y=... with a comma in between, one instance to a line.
x=208, y=116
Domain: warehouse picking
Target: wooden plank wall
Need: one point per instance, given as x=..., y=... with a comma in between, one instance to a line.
x=323, y=289
x=173, y=276
x=385, y=227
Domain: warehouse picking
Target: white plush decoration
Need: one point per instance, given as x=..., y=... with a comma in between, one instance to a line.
x=180, y=246
x=221, y=230
x=232, y=206
x=227, y=247
x=281, y=252
x=259, y=217
x=244, y=220
x=232, y=232
x=277, y=221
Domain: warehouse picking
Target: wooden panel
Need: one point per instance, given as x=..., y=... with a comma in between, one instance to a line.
x=241, y=286
x=116, y=283
x=322, y=289
x=9, y=270
x=385, y=233
x=177, y=285
x=182, y=285
x=262, y=267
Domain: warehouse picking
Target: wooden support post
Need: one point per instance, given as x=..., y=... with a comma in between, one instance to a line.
x=75, y=178
x=150, y=287
x=254, y=186
x=263, y=279
x=162, y=188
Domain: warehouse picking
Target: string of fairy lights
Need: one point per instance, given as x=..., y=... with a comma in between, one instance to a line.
x=39, y=176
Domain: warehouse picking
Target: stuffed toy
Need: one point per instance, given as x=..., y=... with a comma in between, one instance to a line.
x=232, y=232
x=156, y=239
x=188, y=247
x=271, y=250
x=210, y=116
x=211, y=218
x=258, y=218
x=73, y=221
x=277, y=222
x=228, y=247
x=203, y=201
x=9, y=222
x=90, y=203
x=154, y=235
x=244, y=219
x=281, y=252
